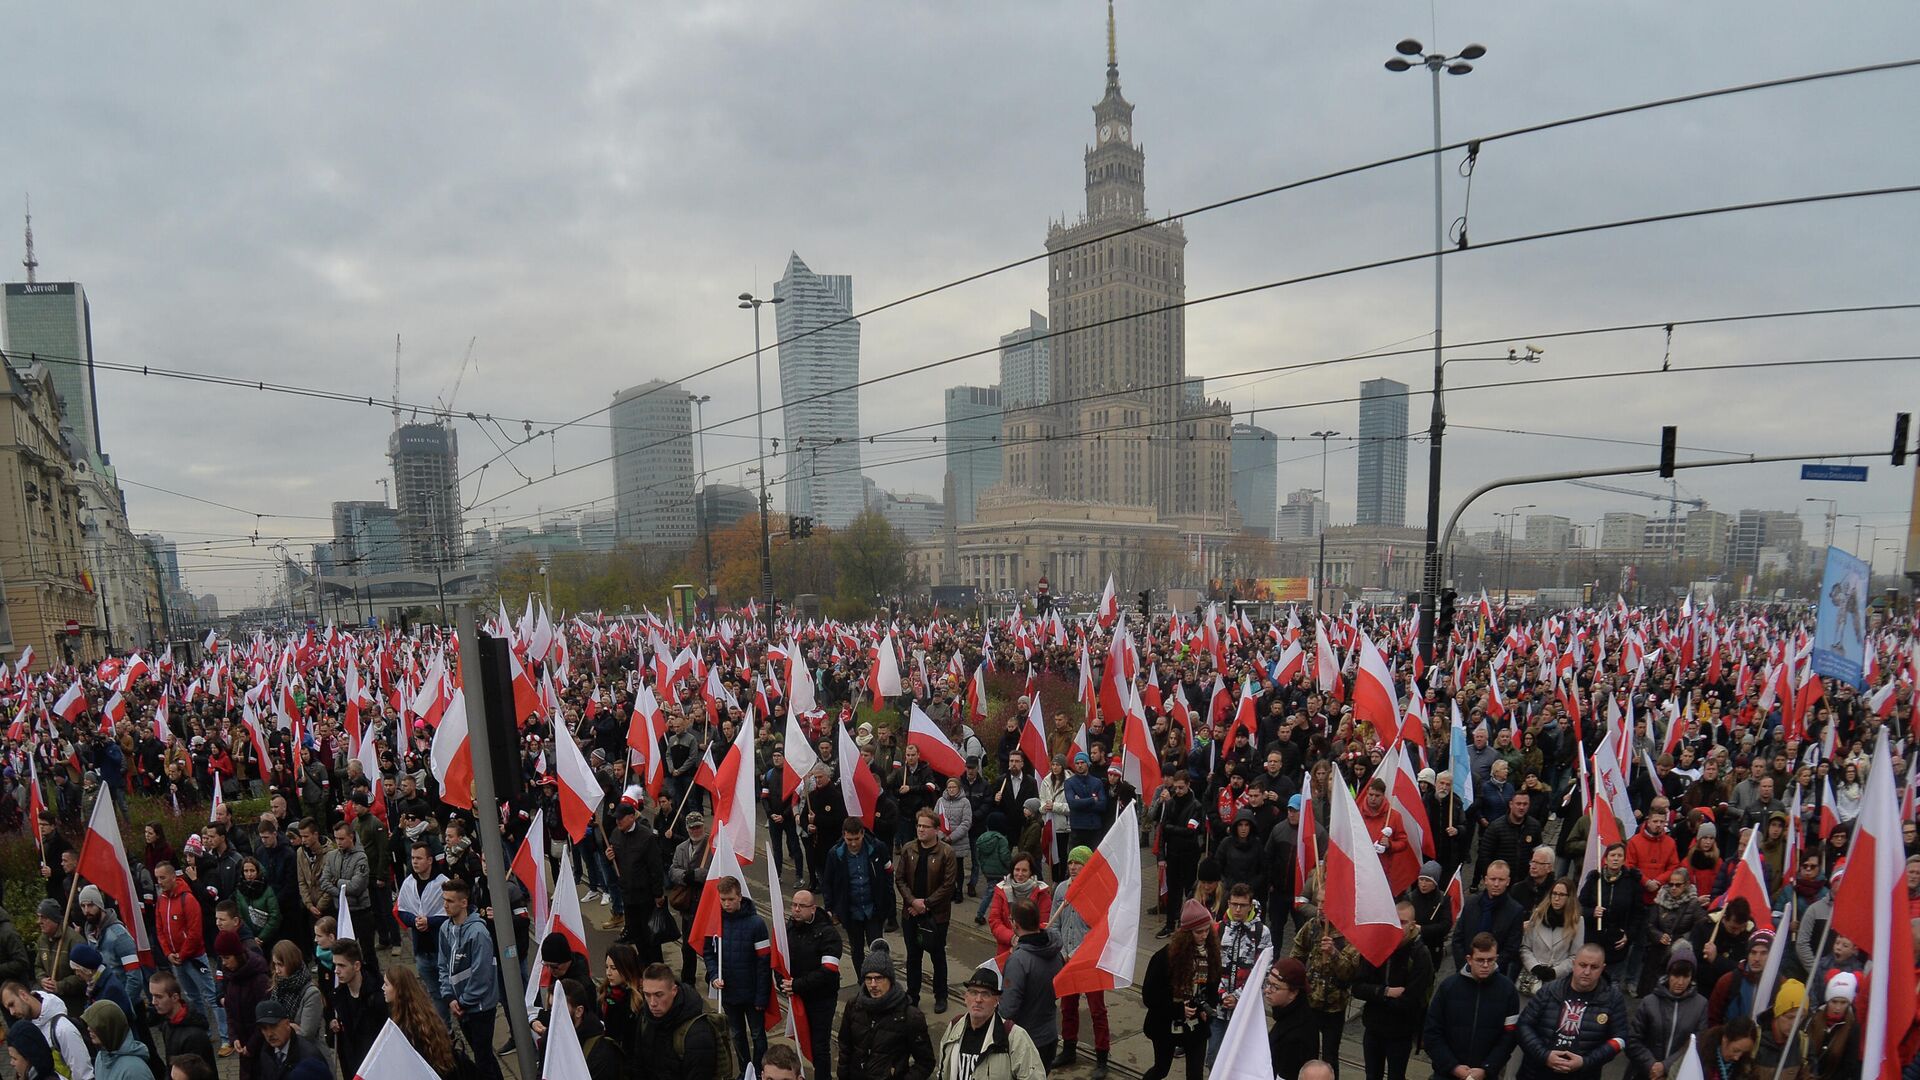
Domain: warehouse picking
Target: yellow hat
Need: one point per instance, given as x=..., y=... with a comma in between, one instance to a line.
x=1791, y=995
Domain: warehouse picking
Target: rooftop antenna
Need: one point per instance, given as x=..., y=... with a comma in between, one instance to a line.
x=30, y=262
x=396, y=382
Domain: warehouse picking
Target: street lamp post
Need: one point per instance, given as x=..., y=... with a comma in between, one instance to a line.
x=1411, y=52
x=748, y=300
x=1320, y=571
x=706, y=534
x=1506, y=577
x=1832, y=505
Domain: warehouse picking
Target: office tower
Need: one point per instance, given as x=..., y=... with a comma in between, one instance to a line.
x=1756, y=530
x=1622, y=531
x=1256, y=478
x=653, y=468
x=367, y=539
x=725, y=504
x=166, y=554
x=1025, y=374
x=426, y=493
x=1706, y=537
x=1548, y=533
x=1304, y=516
x=973, y=447
x=599, y=530
x=917, y=517
x=53, y=320
x=1383, y=454
x=821, y=456
x=1112, y=384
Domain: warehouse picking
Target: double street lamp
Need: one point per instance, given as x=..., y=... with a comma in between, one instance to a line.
x=748, y=300
x=1412, y=53
x=1506, y=577
x=1320, y=582
x=698, y=402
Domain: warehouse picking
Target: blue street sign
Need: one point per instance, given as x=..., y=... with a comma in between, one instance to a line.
x=1854, y=473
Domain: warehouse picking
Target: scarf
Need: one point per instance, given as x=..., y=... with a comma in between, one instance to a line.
x=289, y=989
x=1019, y=890
x=1808, y=890
x=1670, y=900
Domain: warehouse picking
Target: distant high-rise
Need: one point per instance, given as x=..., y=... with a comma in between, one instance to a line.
x=52, y=319
x=167, y=554
x=426, y=492
x=725, y=504
x=1706, y=537
x=367, y=539
x=973, y=447
x=1623, y=530
x=1256, y=478
x=1024, y=374
x=1383, y=454
x=1548, y=533
x=653, y=470
x=822, y=449
x=1756, y=530
x=1304, y=516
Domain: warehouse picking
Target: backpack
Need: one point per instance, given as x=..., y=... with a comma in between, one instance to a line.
x=60, y=1065
x=722, y=1042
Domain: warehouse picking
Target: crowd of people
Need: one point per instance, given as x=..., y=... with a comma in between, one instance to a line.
x=1544, y=930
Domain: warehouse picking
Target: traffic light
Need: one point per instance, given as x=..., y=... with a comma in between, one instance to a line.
x=1146, y=604
x=1901, y=422
x=1668, y=436
x=1443, y=617
x=806, y=527
x=799, y=527
x=793, y=528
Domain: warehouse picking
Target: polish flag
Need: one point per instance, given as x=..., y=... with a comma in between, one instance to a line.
x=706, y=914
x=1033, y=736
x=580, y=792
x=1140, y=763
x=565, y=1059
x=643, y=737
x=71, y=704
x=1306, y=852
x=530, y=866
x=1359, y=902
x=1373, y=698
x=859, y=789
x=801, y=757
x=1870, y=906
x=885, y=679
x=451, y=756
x=526, y=695
x=1496, y=705
x=25, y=661
x=1246, y=717
x=1292, y=661
x=430, y=704
x=1829, y=820
x=1109, y=886
x=35, y=803
x=1182, y=715
x=800, y=695
x=977, y=697
x=370, y=768
x=162, y=731
x=1457, y=891
x=103, y=861
x=565, y=918
x=936, y=749
x=1109, y=605
x=1750, y=881
x=219, y=800
x=1244, y=1052
x=781, y=958
x=1326, y=666
x=1403, y=794
x=392, y=1057
x=733, y=803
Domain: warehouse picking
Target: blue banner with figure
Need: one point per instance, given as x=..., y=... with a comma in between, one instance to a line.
x=1840, y=634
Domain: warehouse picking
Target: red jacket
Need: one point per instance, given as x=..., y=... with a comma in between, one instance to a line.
x=1400, y=861
x=1654, y=857
x=176, y=922
x=1000, y=915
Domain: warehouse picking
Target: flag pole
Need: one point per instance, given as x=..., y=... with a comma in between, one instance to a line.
x=73, y=887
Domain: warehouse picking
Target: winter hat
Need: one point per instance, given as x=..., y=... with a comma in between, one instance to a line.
x=1707, y=831
x=1292, y=972
x=91, y=894
x=1079, y=856
x=1426, y=776
x=1843, y=986
x=1791, y=995
x=1760, y=937
x=195, y=845
x=84, y=957
x=997, y=821
x=1431, y=871
x=1194, y=917
x=226, y=943
x=50, y=909
x=32, y=1045
x=1080, y=757
x=1208, y=870
x=555, y=950
x=879, y=961
x=1032, y=806
x=1682, y=954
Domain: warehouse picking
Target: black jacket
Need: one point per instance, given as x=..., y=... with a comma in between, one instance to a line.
x=1471, y=1022
x=884, y=1038
x=1294, y=1038
x=1411, y=967
x=1505, y=927
x=1597, y=1020
x=361, y=1019
x=1183, y=825
x=189, y=1036
x=643, y=874
x=1510, y=843
x=299, y=1049
x=699, y=1044
x=815, y=949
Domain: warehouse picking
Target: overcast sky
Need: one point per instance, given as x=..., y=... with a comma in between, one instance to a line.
x=584, y=188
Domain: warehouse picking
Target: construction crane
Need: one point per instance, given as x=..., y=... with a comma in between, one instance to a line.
x=396, y=382
x=1673, y=498
x=446, y=403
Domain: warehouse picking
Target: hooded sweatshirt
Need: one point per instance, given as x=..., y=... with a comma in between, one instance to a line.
x=121, y=1056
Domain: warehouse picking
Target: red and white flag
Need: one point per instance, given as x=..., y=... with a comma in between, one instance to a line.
x=706, y=915
x=886, y=672
x=579, y=792
x=71, y=704
x=1140, y=762
x=1306, y=852
x=781, y=957
x=530, y=866
x=936, y=749
x=565, y=1059
x=1109, y=605
x=1870, y=906
x=219, y=800
x=1359, y=902
x=370, y=768
x=103, y=861
x=1033, y=736
x=392, y=1057
x=1750, y=881
x=643, y=738
x=1374, y=701
x=1108, y=887
x=859, y=789
x=451, y=755
x=801, y=759
x=734, y=788
x=1457, y=891
x=1245, y=1053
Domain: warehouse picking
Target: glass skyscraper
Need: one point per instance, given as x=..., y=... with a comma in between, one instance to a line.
x=1383, y=454
x=822, y=448
x=1256, y=478
x=52, y=319
x=973, y=449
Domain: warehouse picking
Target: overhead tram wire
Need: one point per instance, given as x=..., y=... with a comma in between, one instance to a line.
x=1320, y=275
x=1292, y=185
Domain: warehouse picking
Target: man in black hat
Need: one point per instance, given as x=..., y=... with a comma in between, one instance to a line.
x=284, y=1047
x=979, y=1045
x=634, y=851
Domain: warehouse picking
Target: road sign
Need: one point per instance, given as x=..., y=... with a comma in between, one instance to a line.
x=1854, y=473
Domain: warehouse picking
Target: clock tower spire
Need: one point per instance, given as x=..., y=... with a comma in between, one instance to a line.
x=1116, y=168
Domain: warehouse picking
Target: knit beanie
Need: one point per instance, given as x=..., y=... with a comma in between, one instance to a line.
x=1194, y=917
x=878, y=962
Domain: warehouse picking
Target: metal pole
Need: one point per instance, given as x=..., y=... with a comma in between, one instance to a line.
x=706, y=529
x=491, y=845
x=760, y=444
x=1437, y=422
x=1506, y=571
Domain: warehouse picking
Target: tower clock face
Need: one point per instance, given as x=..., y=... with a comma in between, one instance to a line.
x=1123, y=131
x=1106, y=132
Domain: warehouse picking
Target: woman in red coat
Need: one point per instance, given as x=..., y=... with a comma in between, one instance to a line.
x=1389, y=836
x=1021, y=883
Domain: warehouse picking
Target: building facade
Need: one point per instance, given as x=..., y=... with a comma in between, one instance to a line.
x=1706, y=537
x=1548, y=533
x=917, y=517
x=1756, y=530
x=1622, y=531
x=1256, y=479
x=973, y=444
x=1303, y=517
x=47, y=597
x=725, y=504
x=1025, y=372
x=653, y=473
x=52, y=319
x=1382, y=487
x=367, y=539
x=821, y=413
x=426, y=493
